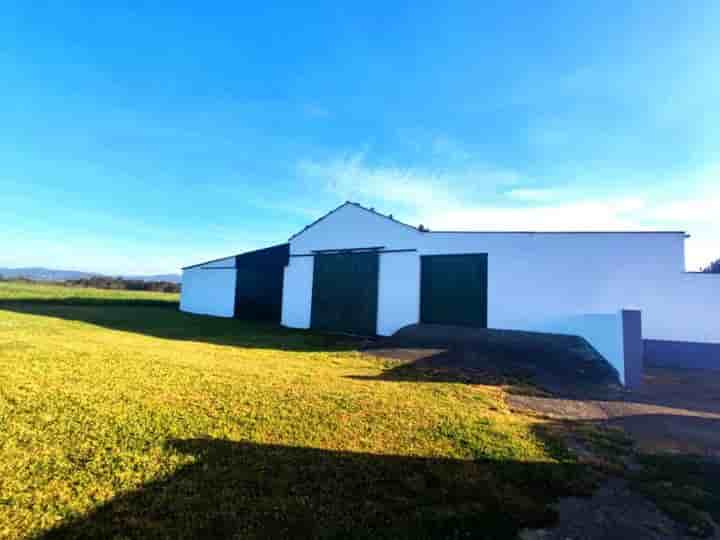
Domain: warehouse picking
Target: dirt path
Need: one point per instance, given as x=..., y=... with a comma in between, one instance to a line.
x=675, y=411
x=614, y=512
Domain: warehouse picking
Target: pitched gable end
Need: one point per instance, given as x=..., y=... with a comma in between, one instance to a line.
x=351, y=226
x=356, y=205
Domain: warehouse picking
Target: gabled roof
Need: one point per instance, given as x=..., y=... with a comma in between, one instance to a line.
x=244, y=253
x=428, y=231
x=350, y=203
x=491, y=231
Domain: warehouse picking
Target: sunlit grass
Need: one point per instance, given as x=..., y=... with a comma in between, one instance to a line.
x=22, y=290
x=175, y=425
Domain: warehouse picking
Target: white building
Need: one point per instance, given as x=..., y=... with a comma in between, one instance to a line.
x=360, y=271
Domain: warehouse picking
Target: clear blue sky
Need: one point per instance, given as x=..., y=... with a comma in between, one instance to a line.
x=138, y=139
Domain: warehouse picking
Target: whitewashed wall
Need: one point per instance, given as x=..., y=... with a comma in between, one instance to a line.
x=573, y=283
x=353, y=227
x=604, y=331
x=538, y=277
x=297, y=292
x=209, y=292
x=398, y=291
x=684, y=308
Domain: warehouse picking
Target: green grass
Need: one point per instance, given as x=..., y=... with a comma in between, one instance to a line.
x=687, y=488
x=131, y=420
x=122, y=417
x=21, y=291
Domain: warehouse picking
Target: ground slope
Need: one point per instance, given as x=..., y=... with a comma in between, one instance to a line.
x=122, y=417
x=140, y=421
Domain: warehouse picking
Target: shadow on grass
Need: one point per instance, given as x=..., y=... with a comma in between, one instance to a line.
x=563, y=364
x=685, y=487
x=246, y=490
x=674, y=433
x=162, y=319
x=558, y=363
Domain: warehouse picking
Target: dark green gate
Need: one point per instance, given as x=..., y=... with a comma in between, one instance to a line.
x=258, y=293
x=259, y=283
x=453, y=289
x=345, y=293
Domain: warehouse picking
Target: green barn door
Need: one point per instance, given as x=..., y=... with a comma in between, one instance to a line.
x=345, y=293
x=258, y=293
x=453, y=289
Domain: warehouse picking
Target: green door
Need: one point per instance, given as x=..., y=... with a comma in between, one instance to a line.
x=345, y=293
x=258, y=293
x=453, y=289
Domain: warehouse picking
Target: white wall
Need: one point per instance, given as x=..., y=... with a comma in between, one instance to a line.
x=398, y=291
x=208, y=292
x=684, y=308
x=561, y=282
x=297, y=292
x=604, y=331
x=353, y=227
x=534, y=278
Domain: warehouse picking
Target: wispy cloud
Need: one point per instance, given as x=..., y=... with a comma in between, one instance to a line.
x=451, y=149
x=479, y=198
x=351, y=177
x=587, y=215
x=535, y=194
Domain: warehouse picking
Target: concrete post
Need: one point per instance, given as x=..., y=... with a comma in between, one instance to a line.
x=632, y=347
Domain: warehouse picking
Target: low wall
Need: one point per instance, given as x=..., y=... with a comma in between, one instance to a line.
x=682, y=354
x=604, y=331
x=633, y=348
x=616, y=336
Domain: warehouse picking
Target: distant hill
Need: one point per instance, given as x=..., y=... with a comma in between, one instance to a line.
x=49, y=274
x=172, y=278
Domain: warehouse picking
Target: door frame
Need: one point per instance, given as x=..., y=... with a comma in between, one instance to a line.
x=464, y=254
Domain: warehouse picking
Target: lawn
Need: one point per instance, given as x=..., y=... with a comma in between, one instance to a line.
x=52, y=293
x=122, y=417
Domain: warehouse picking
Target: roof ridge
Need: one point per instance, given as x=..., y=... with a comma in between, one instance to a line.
x=358, y=205
x=560, y=232
x=233, y=256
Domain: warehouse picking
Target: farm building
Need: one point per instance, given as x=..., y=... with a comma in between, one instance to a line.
x=355, y=270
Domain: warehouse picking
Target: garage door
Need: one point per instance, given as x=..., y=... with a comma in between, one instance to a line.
x=454, y=289
x=345, y=293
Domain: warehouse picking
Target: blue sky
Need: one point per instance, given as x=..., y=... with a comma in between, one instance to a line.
x=138, y=139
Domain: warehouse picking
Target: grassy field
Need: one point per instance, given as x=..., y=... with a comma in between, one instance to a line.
x=133, y=421
x=121, y=417
x=13, y=291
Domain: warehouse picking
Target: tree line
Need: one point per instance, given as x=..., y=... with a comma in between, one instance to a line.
x=712, y=268
x=102, y=282
x=116, y=283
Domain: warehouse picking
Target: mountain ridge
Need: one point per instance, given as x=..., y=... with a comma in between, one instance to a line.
x=39, y=273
